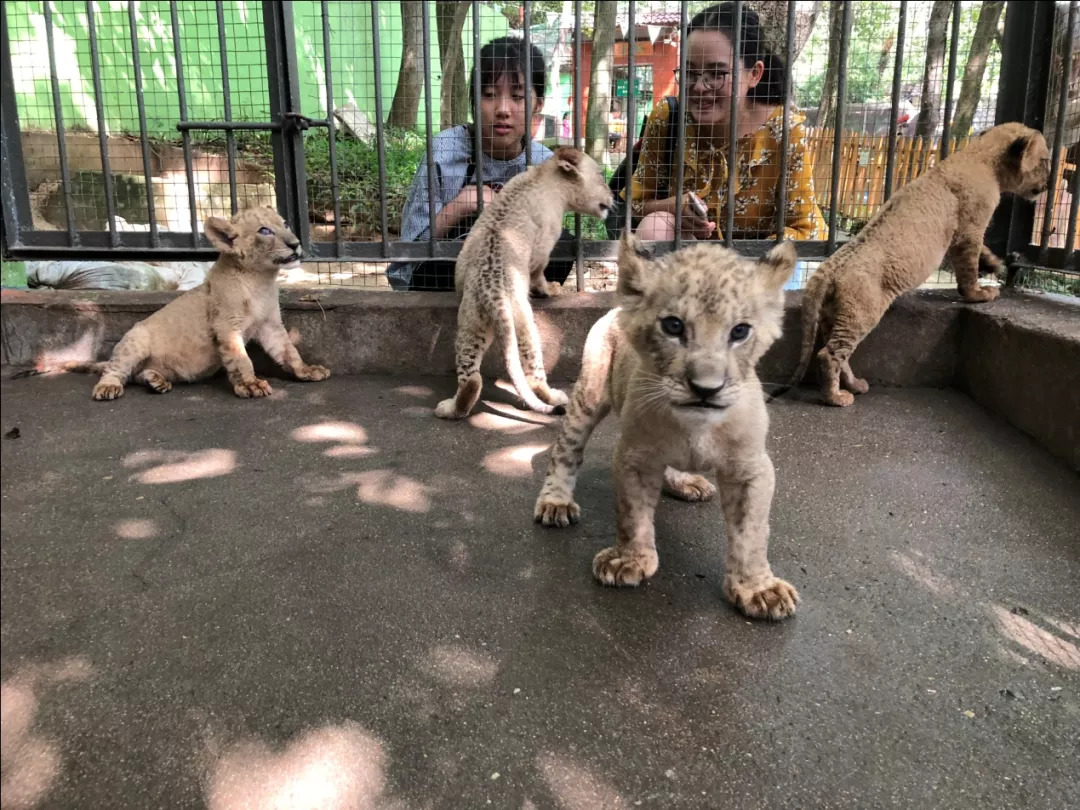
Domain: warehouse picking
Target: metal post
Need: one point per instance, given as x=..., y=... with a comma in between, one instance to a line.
x=680, y=138
x=733, y=126
x=631, y=110
x=428, y=138
x=181, y=94
x=578, y=109
x=841, y=106
x=13, y=188
x=527, y=11
x=144, y=142
x=950, y=82
x=331, y=125
x=1059, y=135
x=226, y=91
x=785, y=130
x=478, y=148
x=103, y=133
x=380, y=132
x=61, y=136
x=894, y=123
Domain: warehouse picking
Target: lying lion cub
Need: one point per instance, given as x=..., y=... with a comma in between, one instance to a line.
x=944, y=213
x=502, y=262
x=676, y=363
x=206, y=328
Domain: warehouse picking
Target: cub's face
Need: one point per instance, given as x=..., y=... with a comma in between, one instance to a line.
x=257, y=238
x=1024, y=159
x=700, y=319
x=589, y=192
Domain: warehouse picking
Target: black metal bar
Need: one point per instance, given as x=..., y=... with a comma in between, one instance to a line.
x=527, y=11
x=680, y=137
x=478, y=150
x=144, y=141
x=226, y=91
x=733, y=126
x=631, y=106
x=785, y=128
x=950, y=81
x=284, y=89
x=428, y=137
x=380, y=131
x=841, y=106
x=103, y=132
x=1070, y=237
x=334, y=184
x=579, y=262
x=181, y=94
x=61, y=136
x=14, y=193
x=1059, y=135
x=1022, y=88
x=894, y=122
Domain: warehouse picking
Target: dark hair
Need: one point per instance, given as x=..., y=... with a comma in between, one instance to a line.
x=506, y=55
x=753, y=46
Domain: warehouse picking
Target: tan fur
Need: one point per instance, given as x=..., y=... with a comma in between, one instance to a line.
x=502, y=262
x=662, y=386
x=942, y=214
x=208, y=327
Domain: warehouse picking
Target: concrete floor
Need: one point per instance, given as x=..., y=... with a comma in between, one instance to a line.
x=331, y=599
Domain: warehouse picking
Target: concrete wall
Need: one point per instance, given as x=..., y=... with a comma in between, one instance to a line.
x=1019, y=357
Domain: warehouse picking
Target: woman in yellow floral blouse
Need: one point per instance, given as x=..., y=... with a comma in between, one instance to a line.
x=708, y=112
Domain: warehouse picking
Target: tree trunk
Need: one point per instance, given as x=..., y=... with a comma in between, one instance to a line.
x=884, y=59
x=827, y=105
x=406, y=104
x=454, y=90
x=930, y=103
x=596, y=118
x=971, y=84
x=773, y=17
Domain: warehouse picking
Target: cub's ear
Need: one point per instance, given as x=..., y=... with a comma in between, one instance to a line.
x=1016, y=149
x=776, y=266
x=568, y=159
x=221, y=233
x=635, y=267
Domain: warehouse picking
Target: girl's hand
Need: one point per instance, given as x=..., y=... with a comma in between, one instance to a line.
x=693, y=223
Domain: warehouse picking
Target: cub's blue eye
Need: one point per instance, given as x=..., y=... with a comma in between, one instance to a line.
x=266, y=231
x=672, y=326
x=740, y=332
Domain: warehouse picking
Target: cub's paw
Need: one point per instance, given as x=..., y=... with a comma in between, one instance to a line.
x=313, y=373
x=981, y=295
x=253, y=388
x=549, y=289
x=857, y=385
x=557, y=398
x=447, y=409
x=688, y=486
x=626, y=568
x=554, y=289
x=107, y=390
x=556, y=510
x=774, y=599
x=841, y=399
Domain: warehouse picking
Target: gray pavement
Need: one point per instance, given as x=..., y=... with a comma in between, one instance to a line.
x=332, y=599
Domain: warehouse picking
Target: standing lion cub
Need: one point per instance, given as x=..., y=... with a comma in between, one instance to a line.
x=676, y=363
x=503, y=261
x=208, y=327
x=943, y=213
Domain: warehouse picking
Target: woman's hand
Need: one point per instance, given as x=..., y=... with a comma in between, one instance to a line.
x=464, y=205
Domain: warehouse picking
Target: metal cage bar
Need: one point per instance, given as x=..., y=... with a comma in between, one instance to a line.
x=103, y=130
x=733, y=126
x=785, y=126
x=680, y=138
x=380, y=132
x=16, y=215
x=144, y=141
x=631, y=107
x=429, y=142
x=331, y=126
x=578, y=108
x=950, y=81
x=841, y=107
x=894, y=119
x=526, y=8
x=1059, y=136
x=185, y=136
x=61, y=133
x=226, y=100
x=478, y=146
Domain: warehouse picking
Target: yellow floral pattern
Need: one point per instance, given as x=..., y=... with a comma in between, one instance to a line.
x=757, y=175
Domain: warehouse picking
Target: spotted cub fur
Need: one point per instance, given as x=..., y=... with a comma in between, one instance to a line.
x=503, y=261
x=676, y=363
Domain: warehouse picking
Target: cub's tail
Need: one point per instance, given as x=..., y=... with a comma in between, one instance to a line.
x=817, y=288
x=505, y=330
x=78, y=366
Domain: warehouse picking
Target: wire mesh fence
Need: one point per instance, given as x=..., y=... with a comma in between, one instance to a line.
x=379, y=128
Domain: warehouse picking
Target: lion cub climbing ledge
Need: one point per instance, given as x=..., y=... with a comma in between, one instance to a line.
x=676, y=363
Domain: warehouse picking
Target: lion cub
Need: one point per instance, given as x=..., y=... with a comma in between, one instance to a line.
x=206, y=328
x=503, y=261
x=676, y=363
x=944, y=213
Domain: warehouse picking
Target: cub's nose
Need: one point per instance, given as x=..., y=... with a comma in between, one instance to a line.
x=704, y=392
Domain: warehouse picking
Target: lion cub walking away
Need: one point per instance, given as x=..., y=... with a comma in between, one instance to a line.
x=208, y=327
x=943, y=213
x=503, y=261
x=676, y=363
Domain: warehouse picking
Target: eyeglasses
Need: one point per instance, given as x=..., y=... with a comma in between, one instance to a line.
x=710, y=79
